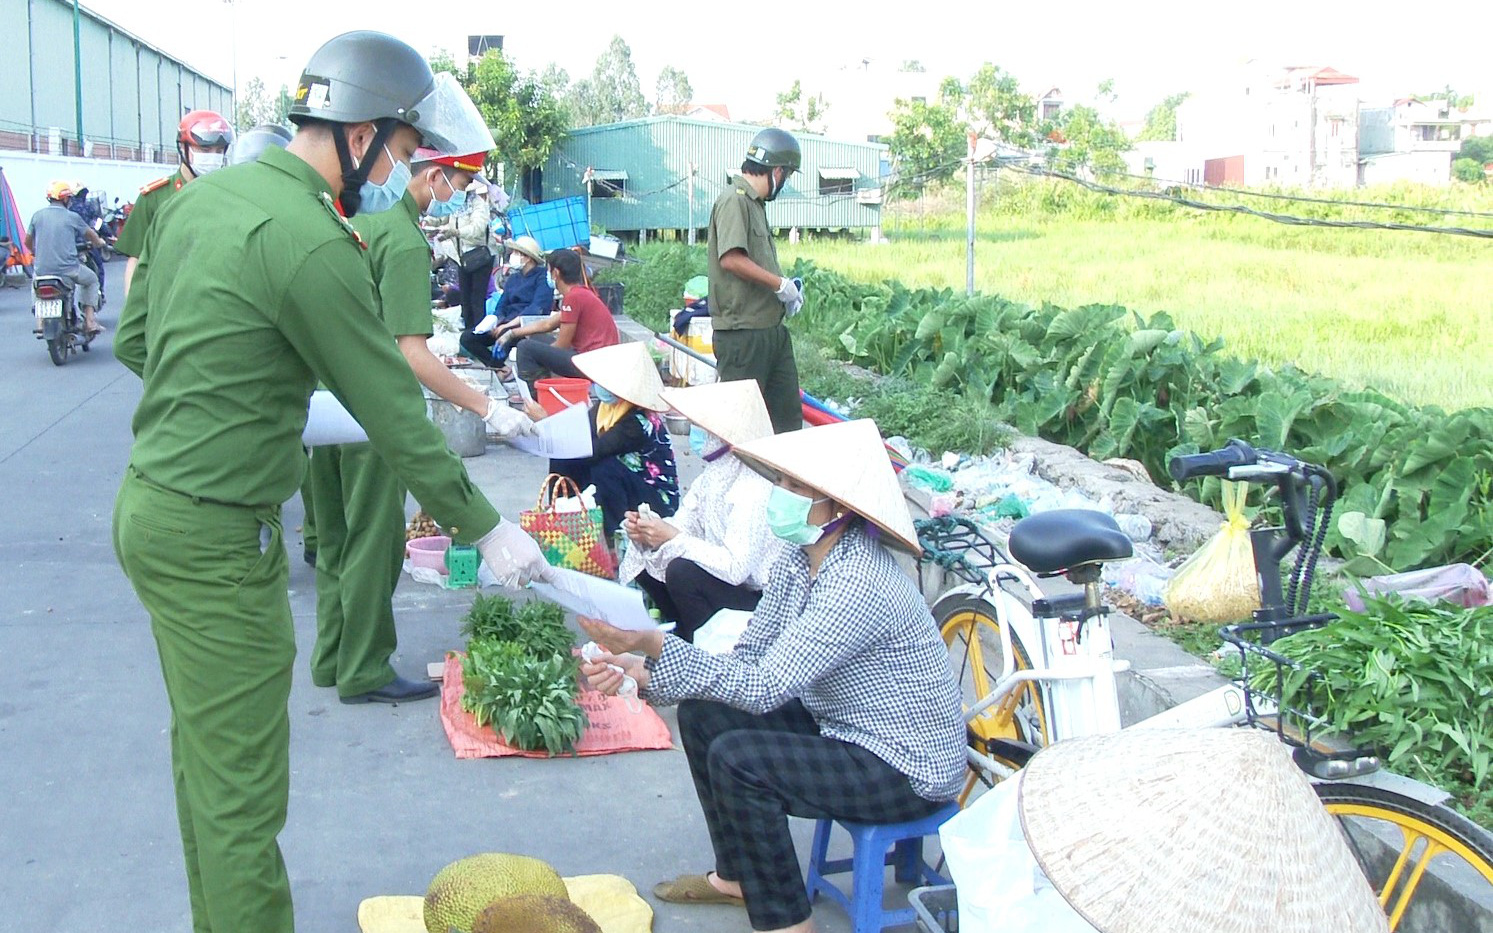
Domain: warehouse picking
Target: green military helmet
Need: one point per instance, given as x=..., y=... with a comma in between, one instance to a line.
x=367, y=76
x=773, y=148
x=249, y=146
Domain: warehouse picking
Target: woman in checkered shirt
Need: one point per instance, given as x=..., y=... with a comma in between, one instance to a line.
x=838, y=701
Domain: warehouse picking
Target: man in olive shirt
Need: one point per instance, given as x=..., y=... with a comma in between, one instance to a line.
x=251, y=288
x=202, y=141
x=359, y=500
x=749, y=297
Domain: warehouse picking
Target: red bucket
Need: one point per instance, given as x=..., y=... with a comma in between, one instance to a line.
x=557, y=394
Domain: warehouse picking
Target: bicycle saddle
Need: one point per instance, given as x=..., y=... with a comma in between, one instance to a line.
x=1050, y=542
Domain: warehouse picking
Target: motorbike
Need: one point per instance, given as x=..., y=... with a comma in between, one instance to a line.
x=109, y=226
x=56, y=308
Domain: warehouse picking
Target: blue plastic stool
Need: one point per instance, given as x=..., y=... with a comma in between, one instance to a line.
x=876, y=846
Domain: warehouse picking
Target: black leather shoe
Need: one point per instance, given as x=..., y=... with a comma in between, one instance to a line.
x=309, y=555
x=399, y=691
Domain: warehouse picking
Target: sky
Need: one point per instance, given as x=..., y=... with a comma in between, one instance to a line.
x=744, y=59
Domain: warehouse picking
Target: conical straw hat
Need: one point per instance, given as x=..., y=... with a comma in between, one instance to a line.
x=627, y=371
x=732, y=411
x=1200, y=831
x=848, y=461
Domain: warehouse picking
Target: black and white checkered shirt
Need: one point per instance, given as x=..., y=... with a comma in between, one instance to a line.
x=856, y=645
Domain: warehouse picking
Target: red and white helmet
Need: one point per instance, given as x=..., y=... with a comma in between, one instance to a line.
x=204, y=129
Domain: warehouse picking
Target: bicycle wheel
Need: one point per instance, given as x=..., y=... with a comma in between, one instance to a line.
x=1431, y=868
x=969, y=628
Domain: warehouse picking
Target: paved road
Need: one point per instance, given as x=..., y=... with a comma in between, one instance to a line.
x=88, y=837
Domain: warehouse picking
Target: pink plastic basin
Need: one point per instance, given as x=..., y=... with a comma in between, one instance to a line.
x=429, y=553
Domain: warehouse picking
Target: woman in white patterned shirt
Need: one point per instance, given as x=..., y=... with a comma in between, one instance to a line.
x=716, y=551
x=838, y=701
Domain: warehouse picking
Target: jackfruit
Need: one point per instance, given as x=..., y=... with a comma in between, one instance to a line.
x=460, y=891
x=530, y=913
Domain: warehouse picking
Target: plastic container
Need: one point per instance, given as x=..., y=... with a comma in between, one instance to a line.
x=558, y=224
x=559, y=393
x=429, y=553
x=937, y=908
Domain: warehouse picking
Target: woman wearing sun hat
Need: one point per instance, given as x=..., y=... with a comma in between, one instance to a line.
x=632, y=461
x=716, y=551
x=838, y=700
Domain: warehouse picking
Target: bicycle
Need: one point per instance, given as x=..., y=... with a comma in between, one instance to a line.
x=1054, y=677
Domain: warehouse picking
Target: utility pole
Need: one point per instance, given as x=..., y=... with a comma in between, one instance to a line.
x=691, y=238
x=78, y=73
x=969, y=198
x=233, y=44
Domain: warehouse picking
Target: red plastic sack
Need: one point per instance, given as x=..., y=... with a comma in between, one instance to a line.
x=613, y=727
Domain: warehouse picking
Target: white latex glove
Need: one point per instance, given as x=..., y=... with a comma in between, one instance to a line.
x=486, y=324
x=507, y=421
x=512, y=556
x=795, y=306
x=789, y=293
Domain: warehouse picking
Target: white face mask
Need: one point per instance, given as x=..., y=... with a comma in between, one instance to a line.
x=205, y=163
x=515, y=262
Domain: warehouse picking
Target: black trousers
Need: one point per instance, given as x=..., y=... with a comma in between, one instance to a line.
x=474, y=293
x=752, y=772
x=689, y=595
x=540, y=357
x=766, y=355
x=480, y=348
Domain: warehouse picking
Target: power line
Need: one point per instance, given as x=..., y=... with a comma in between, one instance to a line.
x=1290, y=219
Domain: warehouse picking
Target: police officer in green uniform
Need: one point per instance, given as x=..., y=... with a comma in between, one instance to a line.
x=359, y=500
x=251, y=288
x=749, y=296
x=202, y=139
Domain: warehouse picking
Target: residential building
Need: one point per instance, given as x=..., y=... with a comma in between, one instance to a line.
x=664, y=172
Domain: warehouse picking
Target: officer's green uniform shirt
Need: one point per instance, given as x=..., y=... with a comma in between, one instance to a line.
x=153, y=197
x=739, y=221
x=400, y=259
x=234, y=315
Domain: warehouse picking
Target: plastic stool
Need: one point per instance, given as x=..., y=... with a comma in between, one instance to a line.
x=876, y=846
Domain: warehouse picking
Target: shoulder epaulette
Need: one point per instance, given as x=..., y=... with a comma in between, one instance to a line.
x=331, y=206
x=155, y=185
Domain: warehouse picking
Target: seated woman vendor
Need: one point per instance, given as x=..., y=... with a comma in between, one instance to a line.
x=715, y=553
x=838, y=701
x=632, y=461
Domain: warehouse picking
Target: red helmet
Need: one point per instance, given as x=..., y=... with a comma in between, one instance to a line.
x=466, y=163
x=205, y=129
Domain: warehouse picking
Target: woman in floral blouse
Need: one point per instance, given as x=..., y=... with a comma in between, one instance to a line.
x=632, y=461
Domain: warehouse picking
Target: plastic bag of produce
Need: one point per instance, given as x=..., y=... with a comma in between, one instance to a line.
x=1218, y=583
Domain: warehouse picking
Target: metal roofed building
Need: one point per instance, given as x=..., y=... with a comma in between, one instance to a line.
x=640, y=175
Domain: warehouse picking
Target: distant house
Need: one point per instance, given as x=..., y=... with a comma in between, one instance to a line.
x=1413, y=140
x=665, y=172
x=714, y=112
x=1050, y=105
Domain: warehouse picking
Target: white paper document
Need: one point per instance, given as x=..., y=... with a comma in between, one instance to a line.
x=617, y=605
x=566, y=436
x=327, y=422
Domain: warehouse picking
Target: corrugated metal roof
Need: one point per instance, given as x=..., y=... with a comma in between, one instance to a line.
x=834, y=189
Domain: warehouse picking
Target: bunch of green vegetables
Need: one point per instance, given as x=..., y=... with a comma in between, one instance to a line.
x=1409, y=679
x=520, y=676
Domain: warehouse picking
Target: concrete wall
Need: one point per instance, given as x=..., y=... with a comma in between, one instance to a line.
x=1426, y=168
x=30, y=173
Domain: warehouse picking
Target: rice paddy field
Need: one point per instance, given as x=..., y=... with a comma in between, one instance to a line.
x=1409, y=313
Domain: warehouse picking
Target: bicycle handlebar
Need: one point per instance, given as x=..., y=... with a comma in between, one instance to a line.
x=1213, y=462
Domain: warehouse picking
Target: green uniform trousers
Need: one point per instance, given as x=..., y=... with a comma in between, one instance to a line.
x=308, y=506
x=359, y=505
x=766, y=355
x=214, y=579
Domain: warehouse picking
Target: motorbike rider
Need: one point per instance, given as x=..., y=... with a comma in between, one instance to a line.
x=202, y=141
x=87, y=208
x=248, y=146
x=52, y=237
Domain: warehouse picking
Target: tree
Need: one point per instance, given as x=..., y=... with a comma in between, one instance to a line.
x=1468, y=170
x=800, y=112
x=612, y=93
x=1091, y=143
x=927, y=142
x=998, y=108
x=255, y=106
x=1161, y=120
x=1477, y=148
x=913, y=65
x=672, y=92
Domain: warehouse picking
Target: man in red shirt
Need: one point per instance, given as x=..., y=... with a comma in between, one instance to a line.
x=583, y=323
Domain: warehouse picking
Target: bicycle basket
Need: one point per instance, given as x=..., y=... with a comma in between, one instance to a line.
x=959, y=546
x=1283, y=695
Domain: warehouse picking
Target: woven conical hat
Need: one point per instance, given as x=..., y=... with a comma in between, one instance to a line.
x=1200, y=831
x=732, y=411
x=627, y=371
x=848, y=461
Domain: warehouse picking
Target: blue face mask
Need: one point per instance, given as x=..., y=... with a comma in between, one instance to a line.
x=604, y=396
x=451, y=205
x=788, y=517
x=376, y=198
x=549, y=280
x=698, y=438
